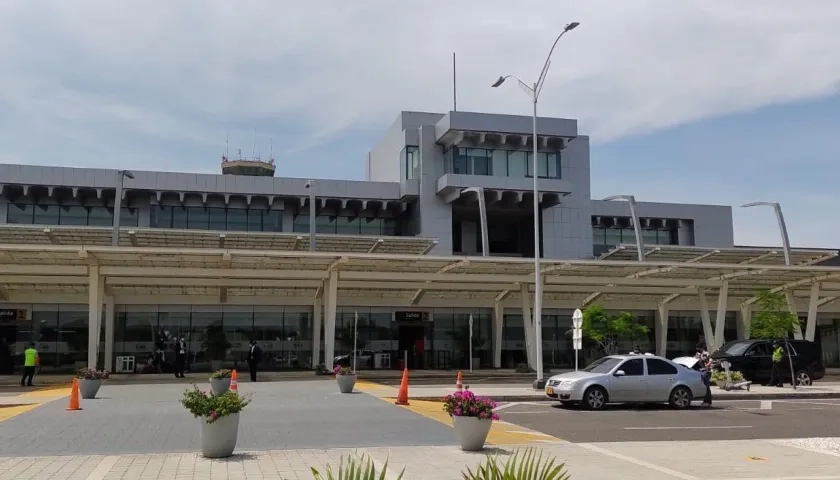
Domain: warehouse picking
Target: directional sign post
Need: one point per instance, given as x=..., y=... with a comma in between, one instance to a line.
x=471, y=345
x=577, y=334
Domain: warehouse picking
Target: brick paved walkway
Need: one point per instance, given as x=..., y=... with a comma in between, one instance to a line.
x=768, y=460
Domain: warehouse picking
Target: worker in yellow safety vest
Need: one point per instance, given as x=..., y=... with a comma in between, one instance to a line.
x=30, y=361
x=776, y=371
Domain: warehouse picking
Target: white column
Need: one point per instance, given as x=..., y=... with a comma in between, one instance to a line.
x=708, y=333
x=109, y=333
x=720, y=319
x=330, y=294
x=316, y=332
x=94, y=314
x=661, y=332
x=528, y=325
x=811, y=324
x=791, y=301
x=498, y=324
x=745, y=322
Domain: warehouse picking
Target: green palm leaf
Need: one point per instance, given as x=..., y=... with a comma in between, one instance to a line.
x=354, y=467
x=528, y=464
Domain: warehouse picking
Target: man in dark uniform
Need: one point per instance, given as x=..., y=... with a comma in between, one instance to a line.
x=180, y=357
x=254, y=357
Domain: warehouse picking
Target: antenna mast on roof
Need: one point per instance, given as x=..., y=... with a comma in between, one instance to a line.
x=454, y=85
x=254, y=151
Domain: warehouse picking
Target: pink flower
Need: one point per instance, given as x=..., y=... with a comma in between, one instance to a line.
x=213, y=414
x=495, y=416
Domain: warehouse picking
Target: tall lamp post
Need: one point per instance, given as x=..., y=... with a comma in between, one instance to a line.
x=115, y=233
x=310, y=185
x=780, y=218
x=637, y=228
x=533, y=91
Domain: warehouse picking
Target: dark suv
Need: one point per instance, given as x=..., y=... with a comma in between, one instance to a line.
x=754, y=358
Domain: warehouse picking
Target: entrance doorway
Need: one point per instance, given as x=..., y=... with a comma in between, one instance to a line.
x=412, y=340
x=8, y=336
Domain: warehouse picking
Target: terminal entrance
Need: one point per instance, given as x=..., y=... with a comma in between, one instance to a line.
x=412, y=335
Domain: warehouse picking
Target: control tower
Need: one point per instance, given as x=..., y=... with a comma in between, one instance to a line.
x=252, y=167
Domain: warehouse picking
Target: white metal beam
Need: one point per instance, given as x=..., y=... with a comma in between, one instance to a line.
x=708, y=333
x=378, y=243
x=661, y=332
x=792, y=308
x=811, y=324
x=720, y=320
x=826, y=301
x=797, y=283
x=745, y=322
x=498, y=327
x=29, y=269
x=213, y=273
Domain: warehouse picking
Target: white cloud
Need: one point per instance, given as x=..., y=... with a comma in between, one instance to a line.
x=89, y=76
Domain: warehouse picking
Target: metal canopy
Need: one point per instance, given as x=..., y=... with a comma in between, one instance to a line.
x=171, y=238
x=737, y=255
x=135, y=271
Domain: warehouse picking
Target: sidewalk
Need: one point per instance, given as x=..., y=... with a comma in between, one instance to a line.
x=721, y=460
x=524, y=393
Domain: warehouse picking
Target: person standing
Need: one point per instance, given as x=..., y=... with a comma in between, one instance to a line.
x=180, y=357
x=6, y=367
x=776, y=371
x=254, y=357
x=30, y=361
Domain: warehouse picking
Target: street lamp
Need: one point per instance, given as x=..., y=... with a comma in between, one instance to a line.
x=310, y=185
x=121, y=176
x=780, y=218
x=533, y=91
x=637, y=229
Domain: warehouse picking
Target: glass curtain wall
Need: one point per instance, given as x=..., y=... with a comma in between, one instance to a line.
x=450, y=341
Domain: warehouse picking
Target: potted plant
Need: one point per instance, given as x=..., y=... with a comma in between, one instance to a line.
x=219, y=415
x=90, y=379
x=472, y=417
x=220, y=381
x=217, y=345
x=346, y=378
x=719, y=377
x=528, y=463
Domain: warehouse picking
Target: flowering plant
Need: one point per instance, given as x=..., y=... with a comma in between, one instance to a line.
x=466, y=404
x=221, y=374
x=339, y=370
x=91, y=374
x=213, y=407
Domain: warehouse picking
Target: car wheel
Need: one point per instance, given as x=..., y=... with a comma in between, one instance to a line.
x=680, y=398
x=803, y=379
x=595, y=398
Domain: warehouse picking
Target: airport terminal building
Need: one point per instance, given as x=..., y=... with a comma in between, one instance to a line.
x=223, y=259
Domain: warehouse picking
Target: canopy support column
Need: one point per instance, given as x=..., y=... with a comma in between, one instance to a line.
x=316, y=332
x=720, y=317
x=331, y=292
x=661, y=332
x=498, y=324
x=811, y=324
x=745, y=322
x=528, y=325
x=109, y=333
x=791, y=301
x=708, y=333
x=95, y=288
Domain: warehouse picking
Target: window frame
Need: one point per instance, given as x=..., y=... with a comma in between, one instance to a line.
x=655, y=361
x=640, y=360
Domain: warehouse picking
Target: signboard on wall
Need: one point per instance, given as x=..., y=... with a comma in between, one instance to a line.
x=412, y=316
x=12, y=315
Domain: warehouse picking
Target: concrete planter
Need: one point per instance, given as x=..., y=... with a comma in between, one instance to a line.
x=219, y=385
x=346, y=383
x=89, y=388
x=471, y=432
x=218, y=439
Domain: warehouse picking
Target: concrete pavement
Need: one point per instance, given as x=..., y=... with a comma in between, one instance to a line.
x=697, y=460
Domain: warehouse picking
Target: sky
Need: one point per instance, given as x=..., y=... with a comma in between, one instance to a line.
x=690, y=101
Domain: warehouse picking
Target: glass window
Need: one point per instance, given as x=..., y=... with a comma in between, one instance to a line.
x=612, y=236
x=135, y=334
x=255, y=220
x=516, y=164
x=602, y=365
x=161, y=217
x=300, y=224
x=348, y=225
x=659, y=367
x=553, y=165
x=202, y=325
x=20, y=214
x=633, y=368
x=217, y=218
x=198, y=219
x=72, y=340
x=180, y=217
x=370, y=226
x=273, y=221
x=499, y=158
x=237, y=220
x=238, y=327
x=649, y=237
x=628, y=235
x=480, y=161
x=46, y=214
x=460, y=163
x=412, y=162
x=268, y=332
x=325, y=224
x=45, y=335
x=390, y=227
x=599, y=236
x=128, y=216
x=101, y=217
x=73, y=215
x=542, y=164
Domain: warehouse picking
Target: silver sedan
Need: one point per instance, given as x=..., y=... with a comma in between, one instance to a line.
x=628, y=379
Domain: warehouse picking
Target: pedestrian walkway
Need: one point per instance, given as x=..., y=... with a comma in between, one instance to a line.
x=727, y=460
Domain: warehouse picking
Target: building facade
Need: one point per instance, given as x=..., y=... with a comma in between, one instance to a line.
x=423, y=180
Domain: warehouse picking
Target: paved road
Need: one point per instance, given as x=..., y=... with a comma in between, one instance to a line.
x=732, y=420
x=283, y=415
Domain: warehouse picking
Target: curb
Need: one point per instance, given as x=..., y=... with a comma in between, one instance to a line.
x=730, y=396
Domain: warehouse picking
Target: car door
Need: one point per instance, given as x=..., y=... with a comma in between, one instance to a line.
x=629, y=386
x=758, y=361
x=660, y=379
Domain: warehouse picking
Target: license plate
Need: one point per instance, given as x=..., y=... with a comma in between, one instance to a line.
x=549, y=390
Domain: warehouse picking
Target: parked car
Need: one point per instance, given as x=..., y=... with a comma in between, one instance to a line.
x=365, y=359
x=754, y=359
x=627, y=379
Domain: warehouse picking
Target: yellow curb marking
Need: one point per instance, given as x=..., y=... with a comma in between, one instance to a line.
x=755, y=458
x=9, y=412
x=61, y=391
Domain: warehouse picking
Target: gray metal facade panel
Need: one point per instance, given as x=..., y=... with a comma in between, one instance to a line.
x=513, y=124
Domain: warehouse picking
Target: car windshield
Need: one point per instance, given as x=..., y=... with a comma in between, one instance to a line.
x=602, y=365
x=734, y=349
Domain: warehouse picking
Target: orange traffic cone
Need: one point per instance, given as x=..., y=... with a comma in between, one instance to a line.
x=234, y=383
x=459, y=386
x=74, y=396
x=402, y=395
